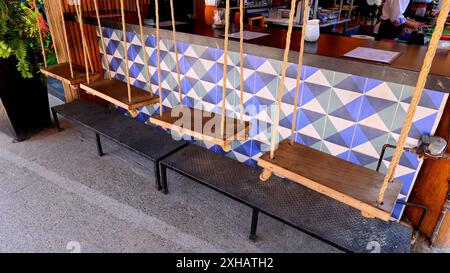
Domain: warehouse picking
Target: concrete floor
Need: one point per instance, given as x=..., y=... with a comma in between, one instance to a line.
x=56, y=195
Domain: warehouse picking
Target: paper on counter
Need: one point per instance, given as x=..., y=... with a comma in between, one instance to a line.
x=372, y=54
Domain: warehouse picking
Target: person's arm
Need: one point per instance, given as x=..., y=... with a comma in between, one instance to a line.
x=398, y=8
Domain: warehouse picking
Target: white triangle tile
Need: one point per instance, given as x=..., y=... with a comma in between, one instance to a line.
x=367, y=149
x=374, y=121
x=340, y=124
x=402, y=170
x=240, y=157
x=309, y=130
x=314, y=106
x=334, y=149
x=268, y=68
x=346, y=96
x=382, y=91
x=191, y=52
x=141, y=77
x=264, y=116
x=410, y=142
x=423, y=112
x=139, y=60
x=266, y=94
x=318, y=78
x=284, y=132
x=289, y=84
x=263, y=137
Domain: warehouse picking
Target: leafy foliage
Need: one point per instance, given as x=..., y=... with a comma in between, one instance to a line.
x=19, y=34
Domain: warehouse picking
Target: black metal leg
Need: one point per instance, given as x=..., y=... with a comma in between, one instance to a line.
x=99, y=145
x=163, y=181
x=157, y=176
x=56, y=120
x=253, y=230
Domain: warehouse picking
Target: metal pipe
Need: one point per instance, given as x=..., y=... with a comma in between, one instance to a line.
x=422, y=216
x=442, y=216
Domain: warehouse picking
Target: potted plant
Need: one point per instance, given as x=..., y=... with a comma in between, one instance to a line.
x=24, y=106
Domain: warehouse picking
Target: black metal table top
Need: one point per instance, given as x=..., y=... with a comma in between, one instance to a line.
x=310, y=211
x=148, y=141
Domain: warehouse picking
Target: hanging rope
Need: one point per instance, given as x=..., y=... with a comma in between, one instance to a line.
x=141, y=28
x=84, y=45
x=38, y=25
x=177, y=62
x=83, y=38
x=124, y=33
x=299, y=68
x=431, y=52
x=158, y=53
x=225, y=67
x=44, y=7
x=241, y=58
x=66, y=40
x=283, y=78
x=100, y=29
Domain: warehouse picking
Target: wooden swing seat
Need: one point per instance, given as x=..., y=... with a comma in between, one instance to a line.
x=336, y=178
x=116, y=92
x=203, y=125
x=62, y=72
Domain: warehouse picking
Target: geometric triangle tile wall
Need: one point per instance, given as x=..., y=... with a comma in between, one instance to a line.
x=345, y=115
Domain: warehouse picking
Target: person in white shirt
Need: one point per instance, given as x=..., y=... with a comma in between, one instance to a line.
x=393, y=19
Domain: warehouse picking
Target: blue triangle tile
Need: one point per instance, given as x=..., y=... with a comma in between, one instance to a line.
x=345, y=156
x=115, y=64
x=436, y=98
x=366, y=109
x=407, y=180
x=353, y=83
x=140, y=84
x=312, y=91
x=260, y=103
x=309, y=71
x=150, y=41
x=209, y=54
x=251, y=163
x=372, y=83
x=214, y=96
x=364, y=160
x=409, y=160
x=133, y=52
x=306, y=140
x=379, y=104
x=310, y=116
x=107, y=32
x=142, y=117
x=112, y=47
x=286, y=122
x=135, y=70
x=349, y=111
x=425, y=125
x=262, y=79
x=130, y=36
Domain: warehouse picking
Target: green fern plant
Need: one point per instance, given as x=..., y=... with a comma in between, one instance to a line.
x=19, y=36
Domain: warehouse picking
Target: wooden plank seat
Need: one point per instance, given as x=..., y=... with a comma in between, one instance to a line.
x=336, y=178
x=62, y=72
x=150, y=142
x=309, y=211
x=116, y=92
x=202, y=125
